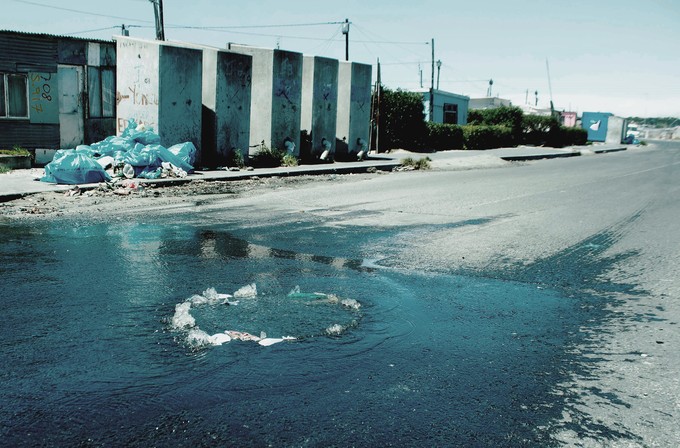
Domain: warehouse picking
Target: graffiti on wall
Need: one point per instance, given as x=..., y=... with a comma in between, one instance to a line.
x=136, y=99
x=44, y=101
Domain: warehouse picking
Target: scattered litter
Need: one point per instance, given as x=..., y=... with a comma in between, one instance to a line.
x=183, y=320
x=335, y=329
x=351, y=303
x=73, y=192
x=137, y=153
x=183, y=317
x=269, y=341
x=246, y=292
x=243, y=336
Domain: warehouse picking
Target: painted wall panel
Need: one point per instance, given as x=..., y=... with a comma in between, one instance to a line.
x=43, y=96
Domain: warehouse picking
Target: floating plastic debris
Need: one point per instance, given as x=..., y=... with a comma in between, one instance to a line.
x=246, y=292
x=335, y=329
x=182, y=317
x=350, y=303
x=271, y=309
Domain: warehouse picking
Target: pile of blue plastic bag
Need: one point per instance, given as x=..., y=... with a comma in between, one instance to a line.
x=137, y=152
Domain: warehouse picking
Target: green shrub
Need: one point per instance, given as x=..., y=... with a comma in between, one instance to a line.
x=510, y=117
x=572, y=136
x=539, y=130
x=402, y=120
x=486, y=137
x=444, y=136
x=267, y=157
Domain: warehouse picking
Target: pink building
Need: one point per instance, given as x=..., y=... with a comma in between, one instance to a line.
x=568, y=119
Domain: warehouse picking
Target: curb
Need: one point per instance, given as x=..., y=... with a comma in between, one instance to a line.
x=541, y=156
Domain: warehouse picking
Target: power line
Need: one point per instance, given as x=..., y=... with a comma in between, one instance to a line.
x=234, y=27
x=91, y=31
x=27, y=2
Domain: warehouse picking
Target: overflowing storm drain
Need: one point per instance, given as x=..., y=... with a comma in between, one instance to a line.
x=212, y=318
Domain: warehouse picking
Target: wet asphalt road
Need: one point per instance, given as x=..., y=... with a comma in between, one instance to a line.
x=610, y=222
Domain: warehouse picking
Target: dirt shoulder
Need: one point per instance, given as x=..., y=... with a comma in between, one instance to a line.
x=108, y=201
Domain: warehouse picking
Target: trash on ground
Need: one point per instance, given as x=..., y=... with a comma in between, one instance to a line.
x=137, y=153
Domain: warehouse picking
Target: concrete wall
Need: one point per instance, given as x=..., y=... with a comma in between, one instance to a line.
x=276, y=96
x=319, y=108
x=354, y=109
x=226, y=105
x=160, y=85
x=180, y=97
x=137, y=87
x=616, y=130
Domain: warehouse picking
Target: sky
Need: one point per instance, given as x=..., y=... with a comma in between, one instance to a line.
x=618, y=56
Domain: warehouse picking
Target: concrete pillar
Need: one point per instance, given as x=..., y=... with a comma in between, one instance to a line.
x=319, y=107
x=275, y=98
x=354, y=109
x=159, y=84
x=226, y=106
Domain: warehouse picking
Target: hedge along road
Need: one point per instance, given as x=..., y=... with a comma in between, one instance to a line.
x=605, y=223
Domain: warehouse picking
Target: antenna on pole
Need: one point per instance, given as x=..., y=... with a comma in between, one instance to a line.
x=552, y=108
x=489, y=91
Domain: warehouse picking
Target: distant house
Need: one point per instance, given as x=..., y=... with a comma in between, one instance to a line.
x=449, y=108
x=489, y=103
x=55, y=91
x=568, y=119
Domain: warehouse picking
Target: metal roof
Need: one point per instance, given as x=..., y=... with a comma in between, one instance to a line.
x=53, y=36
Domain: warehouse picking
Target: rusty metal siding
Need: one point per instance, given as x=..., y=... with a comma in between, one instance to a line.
x=27, y=53
x=27, y=135
x=72, y=52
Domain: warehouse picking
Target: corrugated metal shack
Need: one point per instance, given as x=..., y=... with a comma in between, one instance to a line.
x=55, y=91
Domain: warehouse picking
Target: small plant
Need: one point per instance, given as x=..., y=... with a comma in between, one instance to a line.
x=4, y=169
x=15, y=151
x=289, y=160
x=643, y=143
x=413, y=164
x=268, y=157
x=237, y=159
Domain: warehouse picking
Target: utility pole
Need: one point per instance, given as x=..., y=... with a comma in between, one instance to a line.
x=432, y=86
x=158, y=13
x=345, y=31
x=124, y=31
x=439, y=67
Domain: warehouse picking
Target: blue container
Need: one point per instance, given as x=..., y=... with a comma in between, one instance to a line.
x=596, y=125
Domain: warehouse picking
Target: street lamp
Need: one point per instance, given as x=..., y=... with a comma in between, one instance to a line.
x=439, y=67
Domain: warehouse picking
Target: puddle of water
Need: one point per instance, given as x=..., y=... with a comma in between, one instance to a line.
x=92, y=356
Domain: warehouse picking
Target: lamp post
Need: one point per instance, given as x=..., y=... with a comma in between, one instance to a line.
x=439, y=67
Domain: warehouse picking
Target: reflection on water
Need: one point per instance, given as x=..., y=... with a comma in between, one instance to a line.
x=91, y=356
